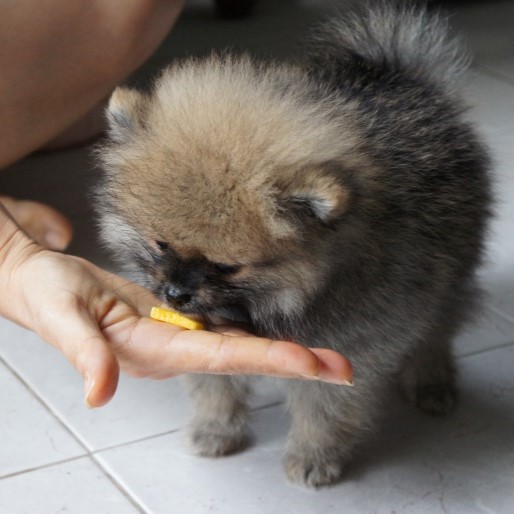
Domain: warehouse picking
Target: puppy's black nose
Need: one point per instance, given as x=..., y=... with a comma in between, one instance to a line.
x=177, y=296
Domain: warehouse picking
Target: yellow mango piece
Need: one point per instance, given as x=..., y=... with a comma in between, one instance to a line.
x=175, y=318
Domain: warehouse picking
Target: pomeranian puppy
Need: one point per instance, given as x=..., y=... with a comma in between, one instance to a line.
x=339, y=202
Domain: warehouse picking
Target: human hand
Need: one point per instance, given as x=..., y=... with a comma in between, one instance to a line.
x=98, y=321
x=41, y=222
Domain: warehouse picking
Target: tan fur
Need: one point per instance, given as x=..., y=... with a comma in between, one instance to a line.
x=340, y=205
x=220, y=128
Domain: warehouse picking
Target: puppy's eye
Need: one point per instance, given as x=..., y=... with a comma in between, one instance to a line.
x=162, y=245
x=226, y=269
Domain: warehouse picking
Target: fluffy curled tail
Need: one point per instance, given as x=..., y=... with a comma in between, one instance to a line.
x=398, y=35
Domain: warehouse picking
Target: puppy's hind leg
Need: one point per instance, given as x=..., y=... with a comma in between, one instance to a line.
x=428, y=377
x=220, y=424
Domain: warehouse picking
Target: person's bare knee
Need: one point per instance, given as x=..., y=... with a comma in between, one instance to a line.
x=138, y=27
x=61, y=65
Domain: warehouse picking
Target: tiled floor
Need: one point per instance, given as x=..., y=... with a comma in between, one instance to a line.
x=56, y=455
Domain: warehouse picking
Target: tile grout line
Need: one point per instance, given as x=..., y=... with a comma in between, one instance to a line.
x=168, y=432
x=134, y=441
x=47, y=407
x=132, y=500
x=504, y=317
x=268, y=406
x=72, y=459
x=500, y=314
x=88, y=453
x=95, y=454
x=485, y=350
x=91, y=453
x=41, y=466
x=498, y=75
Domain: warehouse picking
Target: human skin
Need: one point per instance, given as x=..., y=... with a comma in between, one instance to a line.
x=60, y=59
x=96, y=319
x=99, y=322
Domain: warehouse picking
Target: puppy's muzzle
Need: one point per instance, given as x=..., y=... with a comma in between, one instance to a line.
x=178, y=296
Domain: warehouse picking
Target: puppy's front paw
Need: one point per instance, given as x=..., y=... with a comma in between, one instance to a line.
x=214, y=439
x=313, y=470
x=434, y=395
x=436, y=399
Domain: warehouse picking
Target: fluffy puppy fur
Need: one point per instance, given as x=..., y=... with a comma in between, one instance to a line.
x=340, y=202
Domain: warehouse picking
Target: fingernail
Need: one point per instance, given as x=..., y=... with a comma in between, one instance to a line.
x=88, y=385
x=330, y=380
x=343, y=381
x=338, y=381
x=54, y=240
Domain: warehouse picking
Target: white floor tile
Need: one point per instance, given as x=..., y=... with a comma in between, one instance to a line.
x=498, y=271
x=29, y=435
x=502, y=294
x=141, y=408
x=78, y=487
x=491, y=106
x=494, y=112
x=503, y=69
x=487, y=331
x=460, y=464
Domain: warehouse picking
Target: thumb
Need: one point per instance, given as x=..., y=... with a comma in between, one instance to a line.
x=82, y=343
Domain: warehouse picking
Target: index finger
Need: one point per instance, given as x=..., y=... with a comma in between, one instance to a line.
x=162, y=348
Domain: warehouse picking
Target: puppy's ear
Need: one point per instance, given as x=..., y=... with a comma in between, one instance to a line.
x=317, y=192
x=126, y=113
